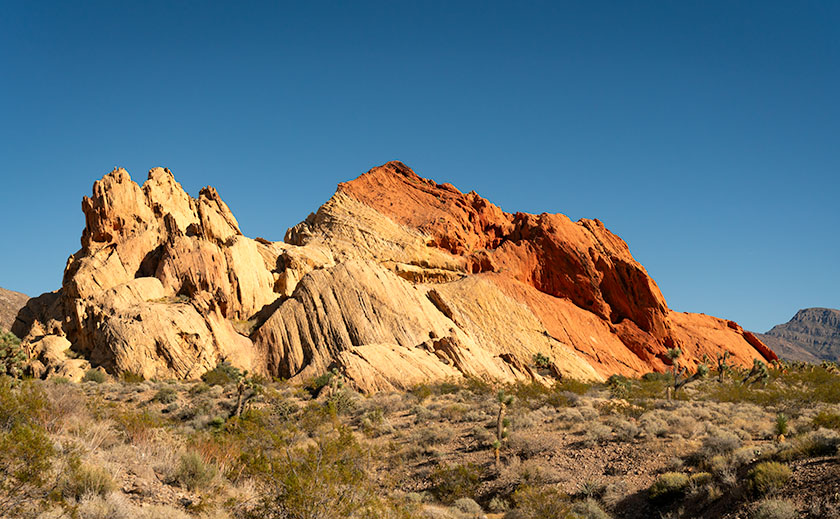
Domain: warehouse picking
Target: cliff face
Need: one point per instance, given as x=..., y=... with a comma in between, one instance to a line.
x=10, y=303
x=813, y=335
x=395, y=280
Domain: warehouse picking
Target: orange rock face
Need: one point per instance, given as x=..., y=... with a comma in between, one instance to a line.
x=586, y=268
x=395, y=280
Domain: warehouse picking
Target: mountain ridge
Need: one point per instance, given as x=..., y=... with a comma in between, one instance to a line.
x=812, y=335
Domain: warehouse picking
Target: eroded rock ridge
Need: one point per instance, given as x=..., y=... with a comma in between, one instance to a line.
x=395, y=280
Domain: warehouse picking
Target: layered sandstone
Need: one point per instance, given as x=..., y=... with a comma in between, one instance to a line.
x=395, y=280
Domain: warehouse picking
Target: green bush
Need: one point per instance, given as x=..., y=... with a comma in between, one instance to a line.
x=328, y=480
x=700, y=478
x=539, y=503
x=541, y=361
x=222, y=375
x=137, y=427
x=82, y=479
x=12, y=356
x=775, y=509
x=26, y=457
x=668, y=485
x=768, y=477
x=166, y=395
x=452, y=482
x=192, y=472
x=315, y=385
x=130, y=377
x=822, y=442
x=588, y=509
x=826, y=419
x=619, y=386
x=95, y=375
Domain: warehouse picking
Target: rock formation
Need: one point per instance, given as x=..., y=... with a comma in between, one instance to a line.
x=10, y=303
x=813, y=335
x=395, y=280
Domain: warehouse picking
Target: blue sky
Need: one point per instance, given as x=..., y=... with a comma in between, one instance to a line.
x=703, y=133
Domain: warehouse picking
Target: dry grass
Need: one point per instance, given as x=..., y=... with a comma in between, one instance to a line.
x=155, y=449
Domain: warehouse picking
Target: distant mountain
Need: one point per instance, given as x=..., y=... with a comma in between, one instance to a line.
x=813, y=335
x=10, y=303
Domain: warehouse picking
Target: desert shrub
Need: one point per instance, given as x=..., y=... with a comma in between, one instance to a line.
x=327, y=480
x=22, y=403
x=827, y=420
x=421, y=392
x=538, y=503
x=26, y=457
x=573, y=386
x=775, y=509
x=342, y=401
x=587, y=509
x=192, y=472
x=700, y=478
x=531, y=443
x=498, y=505
x=129, y=377
x=95, y=375
x=453, y=482
x=12, y=356
x=199, y=388
x=26, y=451
x=469, y=507
x=650, y=386
x=541, y=361
x=598, y=433
x=82, y=479
x=316, y=384
x=653, y=425
x=222, y=375
x=591, y=489
x=668, y=485
x=138, y=427
x=822, y=442
x=722, y=442
x=619, y=386
x=118, y=506
x=624, y=430
x=166, y=395
x=446, y=388
x=483, y=436
x=433, y=435
x=768, y=477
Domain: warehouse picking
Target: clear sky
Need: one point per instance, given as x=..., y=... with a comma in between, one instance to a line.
x=706, y=134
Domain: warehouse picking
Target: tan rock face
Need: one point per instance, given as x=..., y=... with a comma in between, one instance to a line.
x=396, y=280
x=10, y=304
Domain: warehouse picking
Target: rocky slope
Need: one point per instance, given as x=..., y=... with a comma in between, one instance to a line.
x=10, y=303
x=395, y=280
x=813, y=335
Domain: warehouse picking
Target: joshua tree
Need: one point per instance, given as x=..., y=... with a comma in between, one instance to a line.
x=758, y=373
x=680, y=372
x=722, y=364
x=247, y=389
x=504, y=401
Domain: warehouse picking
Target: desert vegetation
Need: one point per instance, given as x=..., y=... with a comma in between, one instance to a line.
x=759, y=443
